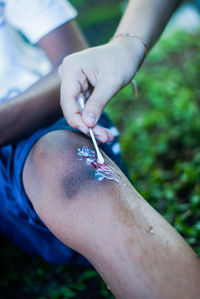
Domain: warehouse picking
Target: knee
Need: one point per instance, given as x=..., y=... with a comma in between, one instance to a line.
x=53, y=166
x=55, y=155
x=57, y=182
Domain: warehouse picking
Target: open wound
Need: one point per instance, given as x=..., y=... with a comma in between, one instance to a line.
x=102, y=171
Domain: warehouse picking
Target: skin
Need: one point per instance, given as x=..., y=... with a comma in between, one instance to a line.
x=108, y=222
x=108, y=68
x=40, y=104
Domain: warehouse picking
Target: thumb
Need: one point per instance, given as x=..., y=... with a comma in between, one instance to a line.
x=101, y=95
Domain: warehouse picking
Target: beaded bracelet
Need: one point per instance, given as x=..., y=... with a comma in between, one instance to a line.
x=126, y=34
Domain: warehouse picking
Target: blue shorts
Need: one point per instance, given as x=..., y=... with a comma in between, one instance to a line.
x=18, y=219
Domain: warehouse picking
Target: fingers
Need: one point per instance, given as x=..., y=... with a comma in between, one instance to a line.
x=102, y=134
x=100, y=96
x=78, y=73
x=73, y=82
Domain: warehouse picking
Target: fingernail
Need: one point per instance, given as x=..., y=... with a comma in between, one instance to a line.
x=100, y=138
x=83, y=129
x=90, y=119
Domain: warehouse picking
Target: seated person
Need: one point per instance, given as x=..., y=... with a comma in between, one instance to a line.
x=49, y=194
x=49, y=25
x=25, y=118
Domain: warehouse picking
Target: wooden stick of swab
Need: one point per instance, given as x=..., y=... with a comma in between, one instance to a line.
x=100, y=159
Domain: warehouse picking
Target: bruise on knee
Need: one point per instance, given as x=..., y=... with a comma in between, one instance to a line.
x=82, y=180
x=82, y=183
x=53, y=164
x=58, y=165
x=74, y=182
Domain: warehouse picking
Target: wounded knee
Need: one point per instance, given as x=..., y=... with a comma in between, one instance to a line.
x=58, y=165
x=64, y=176
x=74, y=182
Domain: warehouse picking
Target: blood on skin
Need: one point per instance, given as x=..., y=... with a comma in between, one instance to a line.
x=102, y=171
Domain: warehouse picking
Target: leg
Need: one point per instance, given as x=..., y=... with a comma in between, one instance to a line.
x=137, y=253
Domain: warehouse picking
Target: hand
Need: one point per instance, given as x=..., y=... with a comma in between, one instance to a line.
x=104, y=70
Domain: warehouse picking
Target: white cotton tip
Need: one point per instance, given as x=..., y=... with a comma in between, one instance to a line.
x=100, y=158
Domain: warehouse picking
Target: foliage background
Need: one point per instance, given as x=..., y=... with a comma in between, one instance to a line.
x=160, y=140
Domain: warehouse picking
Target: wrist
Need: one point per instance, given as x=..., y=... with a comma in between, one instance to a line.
x=132, y=49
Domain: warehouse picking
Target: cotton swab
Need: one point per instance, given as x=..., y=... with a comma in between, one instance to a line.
x=100, y=159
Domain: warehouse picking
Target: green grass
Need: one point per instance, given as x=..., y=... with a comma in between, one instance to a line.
x=160, y=132
x=98, y=19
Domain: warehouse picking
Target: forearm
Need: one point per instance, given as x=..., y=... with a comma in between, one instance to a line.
x=37, y=107
x=40, y=104
x=147, y=18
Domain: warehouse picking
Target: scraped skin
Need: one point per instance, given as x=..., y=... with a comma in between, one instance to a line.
x=109, y=223
x=102, y=170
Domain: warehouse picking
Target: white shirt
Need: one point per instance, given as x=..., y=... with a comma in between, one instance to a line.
x=33, y=19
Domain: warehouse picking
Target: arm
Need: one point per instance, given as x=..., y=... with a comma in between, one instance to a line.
x=147, y=18
x=110, y=67
x=39, y=105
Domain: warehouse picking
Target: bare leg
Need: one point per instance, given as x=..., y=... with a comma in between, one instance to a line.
x=137, y=253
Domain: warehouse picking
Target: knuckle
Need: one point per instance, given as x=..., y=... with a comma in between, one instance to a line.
x=68, y=62
x=95, y=105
